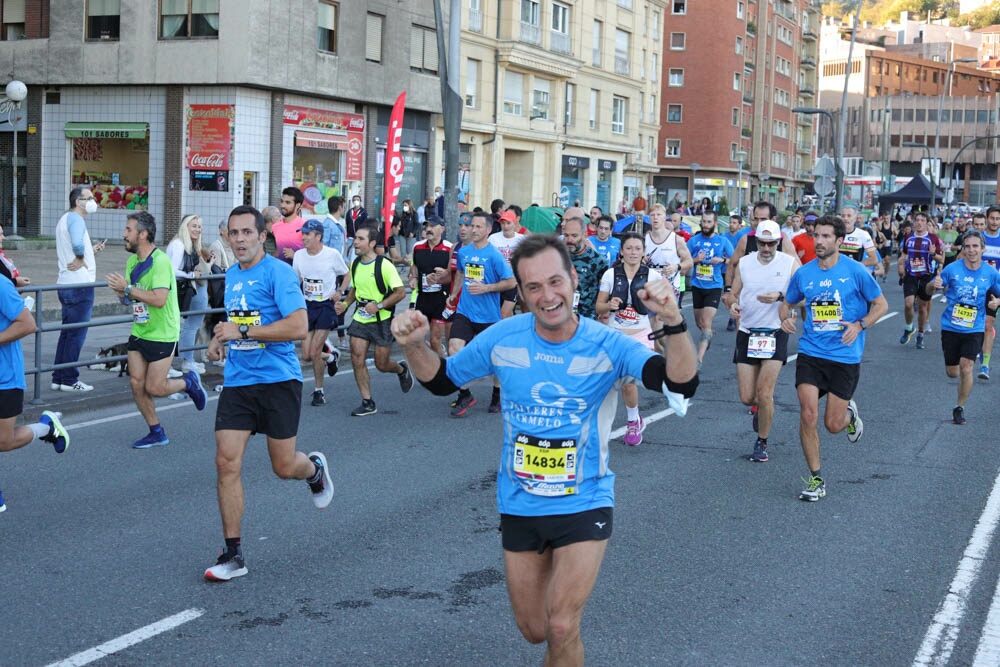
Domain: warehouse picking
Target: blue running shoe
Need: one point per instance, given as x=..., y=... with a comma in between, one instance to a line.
x=58, y=437
x=920, y=342
x=905, y=338
x=195, y=390
x=3, y=508
x=152, y=439
x=759, y=454
x=984, y=372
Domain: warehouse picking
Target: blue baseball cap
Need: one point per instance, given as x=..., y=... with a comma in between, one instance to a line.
x=312, y=226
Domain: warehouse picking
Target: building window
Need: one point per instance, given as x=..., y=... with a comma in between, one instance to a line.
x=594, y=100
x=642, y=108
x=103, y=19
x=326, y=37
x=540, y=98
x=677, y=41
x=651, y=149
x=655, y=68
x=733, y=149
x=597, y=44
x=560, y=40
x=471, y=83
x=622, y=50
x=676, y=77
x=739, y=10
x=475, y=16
x=673, y=148
x=739, y=46
x=619, y=107
x=189, y=18
x=513, y=93
x=680, y=7
x=736, y=81
x=627, y=4
x=531, y=30
x=373, y=37
x=116, y=170
x=423, y=50
x=642, y=66
x=656, y=25
x=570, y=97
x=652, y=108
x=674, y=113
x=736, y=117
x=13, y=20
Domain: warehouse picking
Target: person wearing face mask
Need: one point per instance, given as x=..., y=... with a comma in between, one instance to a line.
x=408, y=228
x=77, y=267
x=356, y=217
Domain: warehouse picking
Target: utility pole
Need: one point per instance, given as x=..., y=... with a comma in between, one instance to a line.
x=843, y=106
x=449, y=62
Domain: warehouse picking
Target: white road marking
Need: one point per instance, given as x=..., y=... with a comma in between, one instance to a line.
x=656, y=416
x=939, y=641
x=132, y=638
x=988, y=653
x=886, y=316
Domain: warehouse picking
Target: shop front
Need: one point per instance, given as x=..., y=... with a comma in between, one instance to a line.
x=328, y=154
x=113, y=160
x=605, y=174
x=574, y=169
x=414, y=147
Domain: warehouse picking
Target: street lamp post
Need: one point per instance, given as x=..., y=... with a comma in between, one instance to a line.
x=927, y=150
x=837, y=148
x=739, y=156
x=16, y=92
x=945, y=89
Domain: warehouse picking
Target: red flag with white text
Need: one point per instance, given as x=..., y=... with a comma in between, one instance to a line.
x=393, y=163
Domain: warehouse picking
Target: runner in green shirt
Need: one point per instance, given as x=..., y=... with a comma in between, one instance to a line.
x=151, y=291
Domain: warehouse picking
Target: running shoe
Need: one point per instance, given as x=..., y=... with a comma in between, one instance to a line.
x=322, y=491
x=332, y=362
x=152, y=439
x=344, y=345
x=759, y=454
x=633, y=432
x=731, y=325
x=815, y=489
x=58, y=436
x=405, y=378
x=856, y=427
x=366, y=408
x=318, y=397
x=194, y=389
x=920, y=342
x=77, y=386
x=494, y=405
x=754, y=419
x=958, y=415
x=905, y=338
x=463, y=404
x=3, y=507
x=984, y=372
x=229, y=566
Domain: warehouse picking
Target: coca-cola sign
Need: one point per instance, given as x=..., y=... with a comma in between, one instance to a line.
x=210, y=136
x=208, y=161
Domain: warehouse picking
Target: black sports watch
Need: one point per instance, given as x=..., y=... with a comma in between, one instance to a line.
x=668, y=330
x=244, y=328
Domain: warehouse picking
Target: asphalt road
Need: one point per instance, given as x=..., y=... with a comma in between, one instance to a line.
x=714, y=560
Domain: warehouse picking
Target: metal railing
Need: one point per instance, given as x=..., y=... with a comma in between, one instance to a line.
x=44, y=328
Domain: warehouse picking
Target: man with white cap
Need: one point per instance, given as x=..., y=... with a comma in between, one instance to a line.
x=759, y=284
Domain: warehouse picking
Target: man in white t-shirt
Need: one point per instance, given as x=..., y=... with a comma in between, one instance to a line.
x=75, y=254
x=857, y=243
x=506, y=241
x=322, y=272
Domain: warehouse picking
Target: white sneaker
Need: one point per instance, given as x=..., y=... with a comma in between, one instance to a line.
x=78, y=386
x=344, y=345
x=195, y=366
x=322, y=491
x=224, y=570
x=174, y=373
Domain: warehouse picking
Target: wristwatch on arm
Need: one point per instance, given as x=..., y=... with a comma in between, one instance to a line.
x=244, y=330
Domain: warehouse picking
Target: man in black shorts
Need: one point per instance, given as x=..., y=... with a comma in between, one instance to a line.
x=263, y=384
x=430, y=278
x=16, y=322
x=151, y=291
x=376, y=289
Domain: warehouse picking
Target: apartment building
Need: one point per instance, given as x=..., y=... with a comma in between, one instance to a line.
x=912, y=93
x=198, y=106
x=561, y=101
x=733, y=71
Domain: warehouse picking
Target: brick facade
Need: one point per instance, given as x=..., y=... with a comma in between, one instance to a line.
x=173, y=161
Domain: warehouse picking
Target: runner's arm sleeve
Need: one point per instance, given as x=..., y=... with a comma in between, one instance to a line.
x=440, y=384
x=654, y=378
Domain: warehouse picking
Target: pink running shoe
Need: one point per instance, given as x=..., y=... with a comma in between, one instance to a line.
x=633, y=432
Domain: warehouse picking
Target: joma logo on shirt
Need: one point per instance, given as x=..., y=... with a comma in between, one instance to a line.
x=550, y=358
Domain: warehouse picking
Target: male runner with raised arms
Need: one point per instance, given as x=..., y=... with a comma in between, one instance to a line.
x=555, y=492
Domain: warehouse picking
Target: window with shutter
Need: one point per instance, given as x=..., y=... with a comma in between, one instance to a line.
x=373, y=38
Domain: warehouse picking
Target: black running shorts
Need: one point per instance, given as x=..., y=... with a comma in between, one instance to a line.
x=272, y=409
x=11, y=403
x=957, y=346
x=916, y=286
x=705, y=298
x=740, y=355
x=465, y=329
x=538, y=533
x=151, y=350
x=832, y=377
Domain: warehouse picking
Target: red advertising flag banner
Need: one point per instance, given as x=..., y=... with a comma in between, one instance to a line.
x=393, y=162
x=210, y=136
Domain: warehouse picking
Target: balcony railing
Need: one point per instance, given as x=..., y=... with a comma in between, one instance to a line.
x=531, y=33
x=809, y=62
x=808, y=34
x=621, y=65
x=560, y=41
x=807, y=92
x=803, y=147
x=804, y=120
x=475, y=20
